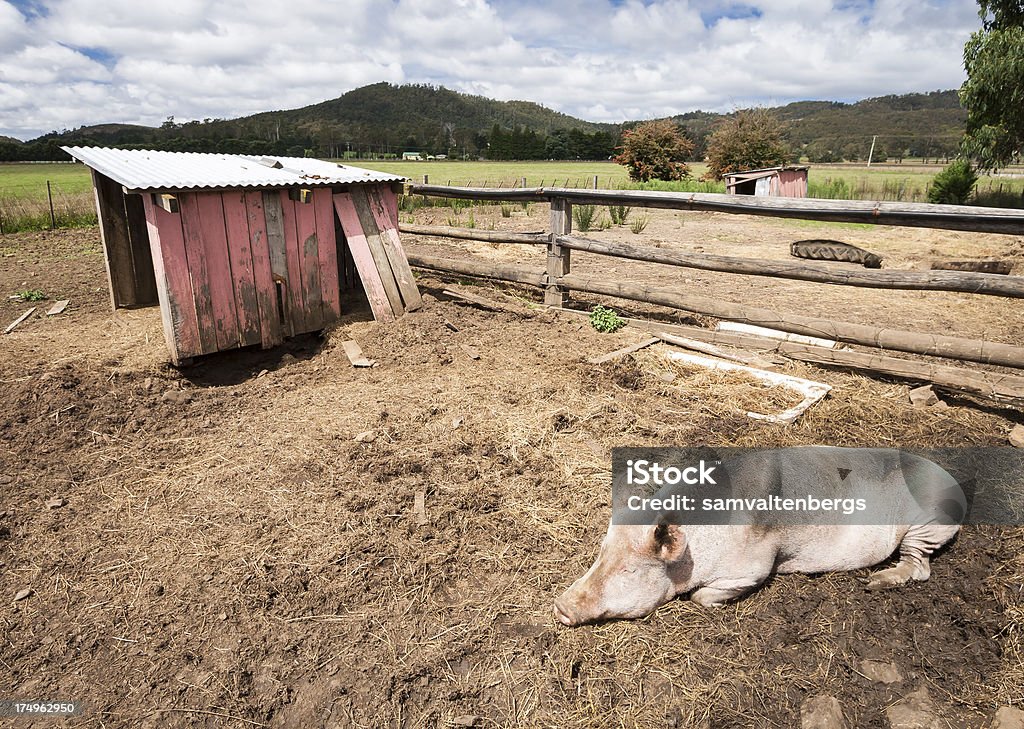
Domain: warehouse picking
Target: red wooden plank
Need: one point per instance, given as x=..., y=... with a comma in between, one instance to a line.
x=309, y=263
x=195, y=253
x=236, y=224
x=294, y=257
x=330, y=286
x=360, y=250
x=376, y=197
x=173, y=284
x=218, y=267
x=391, y=202
x=263, y=277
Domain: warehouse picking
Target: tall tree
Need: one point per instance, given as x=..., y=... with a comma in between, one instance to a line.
x=748, y=140
x=655, y=150
x=994, y=91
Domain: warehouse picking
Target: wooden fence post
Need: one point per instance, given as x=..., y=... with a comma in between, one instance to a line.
x=49, y=196
x=558, y=256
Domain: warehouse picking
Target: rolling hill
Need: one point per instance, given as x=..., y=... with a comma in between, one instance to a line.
x=384, y=119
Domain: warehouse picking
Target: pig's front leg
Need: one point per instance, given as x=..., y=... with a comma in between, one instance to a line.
x=721, y=591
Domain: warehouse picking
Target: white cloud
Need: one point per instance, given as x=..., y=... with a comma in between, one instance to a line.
x=90, y=61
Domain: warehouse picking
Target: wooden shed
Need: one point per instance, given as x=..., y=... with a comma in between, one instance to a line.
x=769, y=182
x=240, y=250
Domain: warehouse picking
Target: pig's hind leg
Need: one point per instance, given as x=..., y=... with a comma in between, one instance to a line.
x=915, y=552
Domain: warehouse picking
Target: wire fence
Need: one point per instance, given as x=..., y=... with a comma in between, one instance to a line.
x=45, y=206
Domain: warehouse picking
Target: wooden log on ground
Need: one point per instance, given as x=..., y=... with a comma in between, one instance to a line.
x=502, y=272
x=938, y=345
x=1005, y=389
x=486, y=236
x=995, y=386
x=973, y=283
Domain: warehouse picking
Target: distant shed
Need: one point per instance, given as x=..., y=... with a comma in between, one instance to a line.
x=242, y=250
x=769, y=182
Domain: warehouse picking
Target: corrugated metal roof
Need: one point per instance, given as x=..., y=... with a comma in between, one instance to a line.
x=141, y=170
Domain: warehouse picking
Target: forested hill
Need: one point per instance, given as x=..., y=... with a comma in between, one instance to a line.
x=383, y=119
x=916, y=125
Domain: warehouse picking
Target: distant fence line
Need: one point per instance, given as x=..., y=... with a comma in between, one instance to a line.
x=52, y=206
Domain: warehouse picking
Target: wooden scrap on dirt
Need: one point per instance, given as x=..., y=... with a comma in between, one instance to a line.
x=58, y=307
x=624, y=351
x=811, y=390
x=419, y=507
x=470, y=351
x=355, y=354
x=988, y=265
x=14, y=324
x=740, y=356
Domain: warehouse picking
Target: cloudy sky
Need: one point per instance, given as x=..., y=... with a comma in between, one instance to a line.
x=66, y=63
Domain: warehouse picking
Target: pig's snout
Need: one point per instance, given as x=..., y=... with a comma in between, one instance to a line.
x=566, y=610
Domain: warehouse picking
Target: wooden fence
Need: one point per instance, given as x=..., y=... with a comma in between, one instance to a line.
x=557, y=279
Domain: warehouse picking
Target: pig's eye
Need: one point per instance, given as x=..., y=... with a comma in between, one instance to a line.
x=629, y=570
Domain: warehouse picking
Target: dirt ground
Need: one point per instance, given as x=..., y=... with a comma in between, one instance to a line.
x=223, y=551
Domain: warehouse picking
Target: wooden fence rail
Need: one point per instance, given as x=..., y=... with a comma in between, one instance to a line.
x=966, y=282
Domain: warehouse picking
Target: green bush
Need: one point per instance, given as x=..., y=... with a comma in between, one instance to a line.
x=954, y=185
x=605, y=320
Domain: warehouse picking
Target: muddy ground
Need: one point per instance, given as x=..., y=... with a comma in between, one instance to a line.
x=224, y=552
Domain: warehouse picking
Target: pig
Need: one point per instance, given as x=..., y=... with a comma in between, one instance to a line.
x=640, y=567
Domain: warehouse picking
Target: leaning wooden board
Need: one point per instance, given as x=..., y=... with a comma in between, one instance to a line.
x=373, y=284
x=393, y=248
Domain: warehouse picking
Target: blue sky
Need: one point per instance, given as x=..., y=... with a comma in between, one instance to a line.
x=67, y=63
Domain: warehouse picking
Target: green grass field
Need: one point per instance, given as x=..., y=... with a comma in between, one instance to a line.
x=24, y=206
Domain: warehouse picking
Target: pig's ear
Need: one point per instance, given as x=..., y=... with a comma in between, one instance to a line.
x=669, y=542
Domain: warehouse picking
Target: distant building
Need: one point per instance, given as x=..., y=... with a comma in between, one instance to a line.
x=412, y=156
x=769, y=182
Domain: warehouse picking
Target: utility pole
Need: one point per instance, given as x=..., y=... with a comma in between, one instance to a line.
x=872, y=151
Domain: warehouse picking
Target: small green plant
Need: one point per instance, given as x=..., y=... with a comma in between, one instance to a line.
x=584, y=216
x=506, y=210
x=639, y=223
x=452, y=222
x=525, y=206
x=954, y=185
x=619, y=213
x=603, y=223
x=605, y=320
x=30, y=295
x=471, y=220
